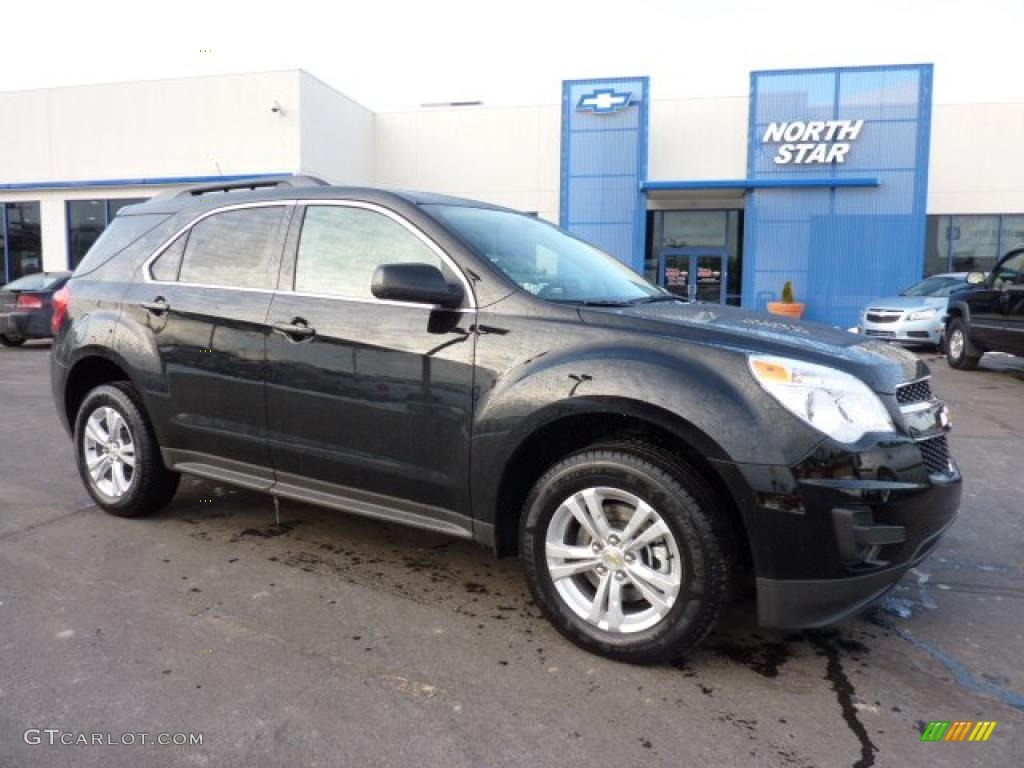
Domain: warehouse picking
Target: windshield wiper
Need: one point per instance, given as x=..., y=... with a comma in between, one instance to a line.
x=658, y=298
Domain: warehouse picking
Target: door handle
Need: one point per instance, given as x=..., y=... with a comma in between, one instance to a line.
x=297, y=330
x=157, y=306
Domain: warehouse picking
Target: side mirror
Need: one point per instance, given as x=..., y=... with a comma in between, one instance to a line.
x=975, y=278
x=416, y=283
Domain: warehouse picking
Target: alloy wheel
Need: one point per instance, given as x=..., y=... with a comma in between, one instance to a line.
x=109, y=450
x=956, y=344
x=613, y=560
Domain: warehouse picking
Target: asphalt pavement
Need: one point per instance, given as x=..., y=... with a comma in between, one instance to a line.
x=330, y=640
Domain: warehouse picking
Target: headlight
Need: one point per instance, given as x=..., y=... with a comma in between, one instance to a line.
x=922, y=314
x=833, y=402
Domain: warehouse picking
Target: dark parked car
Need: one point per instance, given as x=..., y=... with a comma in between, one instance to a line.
x=988, y=316
x=26, y=308
x=471, y=370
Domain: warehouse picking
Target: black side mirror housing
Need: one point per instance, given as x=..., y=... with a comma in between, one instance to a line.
x=415, y=283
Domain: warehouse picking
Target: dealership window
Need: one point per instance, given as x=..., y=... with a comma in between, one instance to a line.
x=86, y=221
x=970, y=242
x=21, y=251
x=675, y=238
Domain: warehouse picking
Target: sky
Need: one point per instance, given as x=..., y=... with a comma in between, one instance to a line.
x=398, y=55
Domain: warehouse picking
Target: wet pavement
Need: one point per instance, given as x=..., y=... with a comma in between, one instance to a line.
x=330, y=640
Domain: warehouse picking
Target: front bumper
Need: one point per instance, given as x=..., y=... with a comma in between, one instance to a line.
x=28, y=325
x=876, y=543
x=838, y=530
x=905, y=331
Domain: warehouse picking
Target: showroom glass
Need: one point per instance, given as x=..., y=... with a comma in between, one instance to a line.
x=712, y=236
x=233, y=249
x=543, y=259
x=87, y=220
x=341, y=246
x=21, y=251
x=970, y=243
x=934, y=286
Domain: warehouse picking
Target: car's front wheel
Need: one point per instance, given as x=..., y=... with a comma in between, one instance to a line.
x=960, y=352
x=117, y=454
x=11, y=341
x=625, y=552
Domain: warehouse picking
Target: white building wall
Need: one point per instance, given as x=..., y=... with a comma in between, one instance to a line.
x=977, y=159
x=698, y=139
x=189, y=127
x=337, y=134
x=503, y=155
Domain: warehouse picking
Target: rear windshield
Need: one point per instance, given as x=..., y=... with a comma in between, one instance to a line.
x=122, y=232
x=40, y=281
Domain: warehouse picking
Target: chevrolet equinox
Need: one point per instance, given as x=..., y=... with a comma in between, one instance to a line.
x=477, y=372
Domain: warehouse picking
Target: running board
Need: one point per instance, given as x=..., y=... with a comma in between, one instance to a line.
x=342, y=498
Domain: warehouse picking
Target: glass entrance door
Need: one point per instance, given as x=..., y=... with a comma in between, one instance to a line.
x=698, y=274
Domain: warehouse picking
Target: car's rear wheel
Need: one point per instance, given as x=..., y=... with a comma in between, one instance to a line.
x=960, y=352
x=625, y=552
x=118, y=457
x=11, y=341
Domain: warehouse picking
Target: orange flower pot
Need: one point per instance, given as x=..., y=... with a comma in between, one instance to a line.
x=794, y=309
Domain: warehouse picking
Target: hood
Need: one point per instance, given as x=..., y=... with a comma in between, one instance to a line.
x=882, y=366
x=907, y=302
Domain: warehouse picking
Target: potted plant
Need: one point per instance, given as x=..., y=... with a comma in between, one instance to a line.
x=787, y=306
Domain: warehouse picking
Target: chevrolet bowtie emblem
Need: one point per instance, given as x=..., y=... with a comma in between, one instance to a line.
x=604, y=100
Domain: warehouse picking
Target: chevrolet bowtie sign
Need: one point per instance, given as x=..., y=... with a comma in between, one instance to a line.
x=812, y=142
x=604, y=100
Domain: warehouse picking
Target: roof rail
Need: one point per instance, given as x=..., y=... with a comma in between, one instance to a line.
x=254, y=184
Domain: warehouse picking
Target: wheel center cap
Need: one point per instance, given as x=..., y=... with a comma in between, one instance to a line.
x=613, y=558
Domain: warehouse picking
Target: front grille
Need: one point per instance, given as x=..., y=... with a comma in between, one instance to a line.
x=873, y=332
x=882, y=316
x=914, y=392
x=935, y=453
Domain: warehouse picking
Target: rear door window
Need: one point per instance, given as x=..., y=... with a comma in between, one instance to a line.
x=168, y=264
x=233, y=249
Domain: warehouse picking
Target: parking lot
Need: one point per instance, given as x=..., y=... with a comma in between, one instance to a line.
x=331, y=640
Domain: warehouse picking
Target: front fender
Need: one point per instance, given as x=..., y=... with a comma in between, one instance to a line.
x=704, y=395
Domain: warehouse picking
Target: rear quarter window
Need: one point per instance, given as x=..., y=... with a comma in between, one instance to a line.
x=122, y=232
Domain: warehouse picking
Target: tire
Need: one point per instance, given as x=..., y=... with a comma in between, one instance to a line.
x=960, y=352
x=12, y=341
x=693, y=553
x=111, y=416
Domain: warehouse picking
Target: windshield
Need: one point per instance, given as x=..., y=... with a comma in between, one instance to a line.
x=543, y=259
x=40, y=281
x=934, y=286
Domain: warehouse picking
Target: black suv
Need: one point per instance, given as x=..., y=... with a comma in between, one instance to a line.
x=470, y=370
x=988, y=315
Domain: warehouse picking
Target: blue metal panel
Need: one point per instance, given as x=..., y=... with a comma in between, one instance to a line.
x=604, y=163
x=843, y=243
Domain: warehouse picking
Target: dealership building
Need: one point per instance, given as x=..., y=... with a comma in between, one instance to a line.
x=849, y=182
